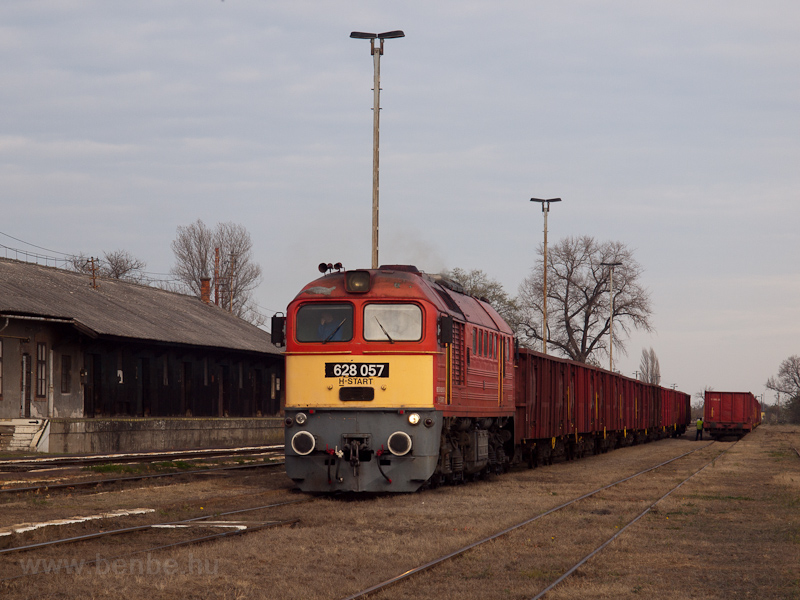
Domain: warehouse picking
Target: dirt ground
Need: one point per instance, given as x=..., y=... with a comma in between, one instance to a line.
x=732, y=531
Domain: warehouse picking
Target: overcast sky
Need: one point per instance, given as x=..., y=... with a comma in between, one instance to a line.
x=673, y=127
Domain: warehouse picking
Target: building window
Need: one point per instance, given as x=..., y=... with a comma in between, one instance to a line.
x=41, y=370
x=1, y=369
x=66, y=374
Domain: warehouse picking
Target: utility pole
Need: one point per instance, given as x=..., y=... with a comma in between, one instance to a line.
x=230, y=282
x=611, y=325
x=545, y=210
x=216, y=276
x=94, y=272
x=376, y=108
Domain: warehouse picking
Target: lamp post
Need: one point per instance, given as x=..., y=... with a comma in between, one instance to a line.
x=611, y=324
x=376, y=54
x=545, y=210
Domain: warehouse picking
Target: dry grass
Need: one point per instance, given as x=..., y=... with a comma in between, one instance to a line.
x=731, y=532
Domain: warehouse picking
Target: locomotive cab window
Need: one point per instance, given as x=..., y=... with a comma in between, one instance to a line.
x=392, y=323
x=324, y=323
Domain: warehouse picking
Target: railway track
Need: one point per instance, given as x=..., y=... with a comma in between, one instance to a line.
x=146, y=461
x=341, y=544
x=49, y=462
x=419, y=570
x=217, y=520
x=97, y=482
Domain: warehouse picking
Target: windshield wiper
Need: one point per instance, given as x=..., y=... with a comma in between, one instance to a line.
x=383, y=329
x=333, y=333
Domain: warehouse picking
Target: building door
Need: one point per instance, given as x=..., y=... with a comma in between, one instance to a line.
x=224, y=391
x=93, y=390
x=25, y=407
x=187, y=399
x=143, y=387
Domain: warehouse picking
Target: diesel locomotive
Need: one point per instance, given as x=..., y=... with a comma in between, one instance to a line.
x=397, y=378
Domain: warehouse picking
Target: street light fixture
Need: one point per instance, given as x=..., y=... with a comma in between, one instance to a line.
x=376, y=54
x=611, y=325
x=545, y=210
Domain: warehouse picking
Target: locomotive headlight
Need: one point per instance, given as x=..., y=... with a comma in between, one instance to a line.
x=413, y=418
x=303, y=443
x=399, y=443
x=300, y=418
x=356, y=282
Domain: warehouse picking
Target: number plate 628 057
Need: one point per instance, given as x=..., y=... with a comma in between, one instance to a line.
x=356, y=369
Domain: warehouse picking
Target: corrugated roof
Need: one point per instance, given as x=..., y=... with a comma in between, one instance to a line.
x=122, y=309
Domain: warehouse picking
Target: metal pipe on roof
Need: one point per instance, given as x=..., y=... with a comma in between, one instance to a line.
x=46, y=319
x=12, y=337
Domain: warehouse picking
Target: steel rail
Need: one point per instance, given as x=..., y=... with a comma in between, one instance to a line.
x=59, y=461
x=199, y=540
x=597, y=550
x=91, y=536
x=96, y=482
x=460, y=551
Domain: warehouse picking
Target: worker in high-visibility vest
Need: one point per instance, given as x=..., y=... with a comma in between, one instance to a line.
x=699, y=434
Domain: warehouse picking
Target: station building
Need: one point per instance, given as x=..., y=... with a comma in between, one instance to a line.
x=100, y=365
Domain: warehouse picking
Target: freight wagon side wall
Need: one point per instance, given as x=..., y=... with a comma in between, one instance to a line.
x=737, y=412
x=556, y=397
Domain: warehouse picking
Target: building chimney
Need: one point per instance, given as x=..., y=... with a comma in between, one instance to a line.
x=205, y=289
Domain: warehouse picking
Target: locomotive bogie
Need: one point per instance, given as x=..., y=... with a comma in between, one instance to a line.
x=474, y=446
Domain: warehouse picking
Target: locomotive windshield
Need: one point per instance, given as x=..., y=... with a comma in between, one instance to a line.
x=324, y=323
x=392, y=323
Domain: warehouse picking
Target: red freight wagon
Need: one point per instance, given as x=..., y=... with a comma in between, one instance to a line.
x=676, y=410
x=566, y=409
x=730, y=413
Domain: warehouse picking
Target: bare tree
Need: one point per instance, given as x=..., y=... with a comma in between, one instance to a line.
x=649, y=366
x=699, y=406
x=119, y=264
x=193, y=247
x=788, y=379
x=702, y=394
x=788, y=382
x=237, y=275
x=477, y=283
x=578, y=312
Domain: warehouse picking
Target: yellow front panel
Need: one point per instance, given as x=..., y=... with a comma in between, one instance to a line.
x=409, y=383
